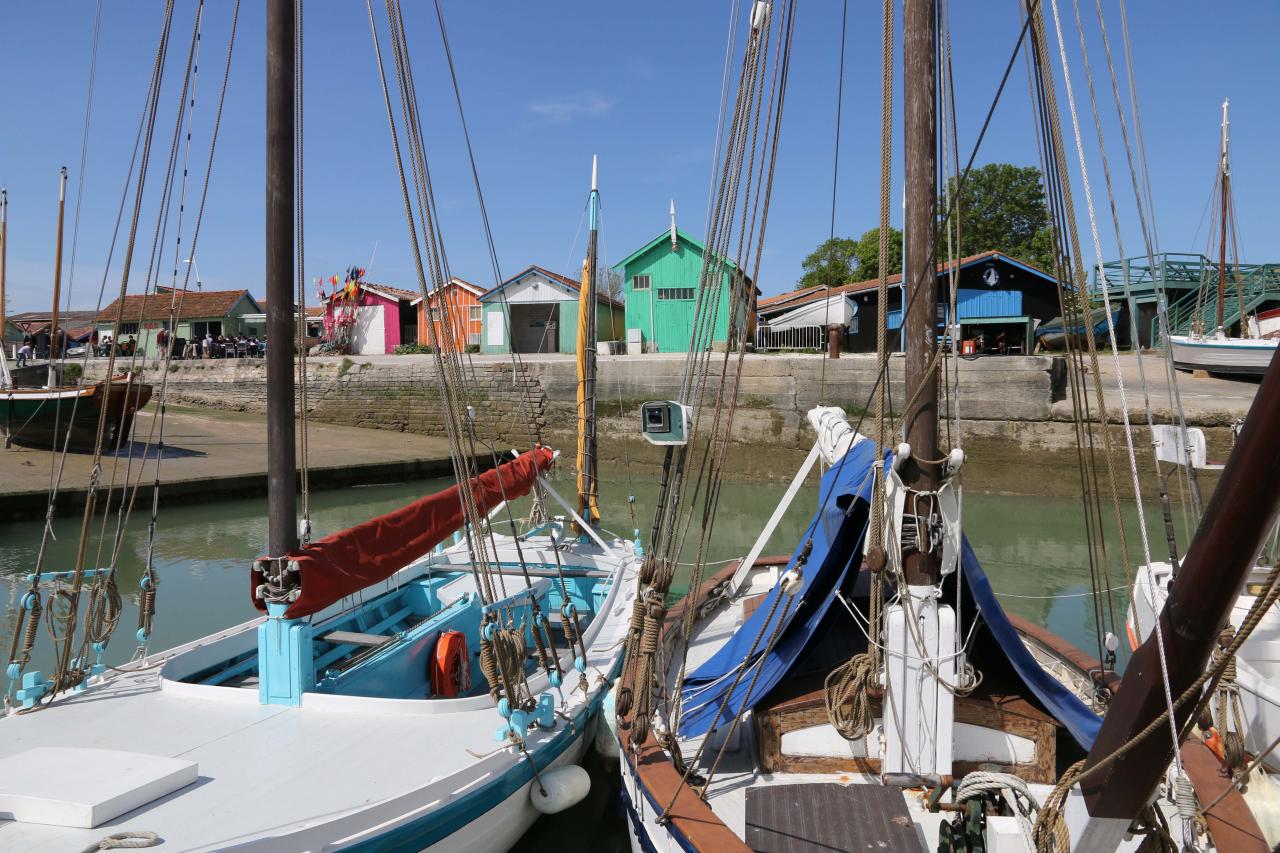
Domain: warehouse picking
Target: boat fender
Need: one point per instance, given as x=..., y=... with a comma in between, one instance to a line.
x=449, y=666
x=560, y=788
x=606, y=737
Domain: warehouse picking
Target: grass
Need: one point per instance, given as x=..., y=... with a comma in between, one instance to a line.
x=345, y=367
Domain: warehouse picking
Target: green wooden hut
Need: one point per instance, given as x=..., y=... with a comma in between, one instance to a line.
x=536, y=310
x=660, y=288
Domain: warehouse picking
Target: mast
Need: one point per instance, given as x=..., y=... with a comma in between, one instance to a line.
x=57, y=281
x=587, y=335
x=282, y=534
x=1225, y=170
x=4, y=250
x=919, y=327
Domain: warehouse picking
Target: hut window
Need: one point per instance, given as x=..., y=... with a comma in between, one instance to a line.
x=640, y=282
x=475, y=313
x=128, y=328
x=675, y=293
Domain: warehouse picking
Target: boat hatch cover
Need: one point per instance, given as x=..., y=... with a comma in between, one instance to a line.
x=82, y=787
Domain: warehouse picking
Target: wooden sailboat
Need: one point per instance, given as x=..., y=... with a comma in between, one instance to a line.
x=1216, y=350
x=39, y=409
x=771, y=709
x=397, y=694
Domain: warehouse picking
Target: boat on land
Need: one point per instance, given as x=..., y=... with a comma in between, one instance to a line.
x=867, y=691
x=425, y=680
x=68, y=416
x=38, y=407
x=1216, y=350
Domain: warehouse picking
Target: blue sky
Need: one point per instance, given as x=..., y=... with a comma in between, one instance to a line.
x=546, y=85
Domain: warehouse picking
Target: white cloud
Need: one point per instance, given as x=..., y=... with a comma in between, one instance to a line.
x=567, y=108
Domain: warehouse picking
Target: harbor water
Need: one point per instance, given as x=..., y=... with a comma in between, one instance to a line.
x=1033, y=548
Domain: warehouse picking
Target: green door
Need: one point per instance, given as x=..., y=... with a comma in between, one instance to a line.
x=675, y=319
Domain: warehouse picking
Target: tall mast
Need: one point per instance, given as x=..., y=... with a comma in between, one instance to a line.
x=4, y=250
x=587, y=335
x=919, y=327
x=57, y=280
x=1224, y=169
x=282, y=533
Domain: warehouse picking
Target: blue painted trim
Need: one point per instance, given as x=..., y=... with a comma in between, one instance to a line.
x=438, y=825
x=286, y=665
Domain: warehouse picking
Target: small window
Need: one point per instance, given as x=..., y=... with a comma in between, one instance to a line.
x=853, y=325
x=435, y=315
x=942, y=312
x=640, y=282
x=128, y=328
x=674, y=293
x=476, y=313
x=473, y=338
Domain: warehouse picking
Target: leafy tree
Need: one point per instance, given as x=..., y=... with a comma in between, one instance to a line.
x=831, y=264
x=841, y=260
x=868, y=254
x=1002, y=208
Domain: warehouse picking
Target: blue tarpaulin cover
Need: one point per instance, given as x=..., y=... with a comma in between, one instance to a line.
x=1057, y=700
x=837, y=543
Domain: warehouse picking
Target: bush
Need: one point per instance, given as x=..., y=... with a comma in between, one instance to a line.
x=473, y=348
x=413, y=349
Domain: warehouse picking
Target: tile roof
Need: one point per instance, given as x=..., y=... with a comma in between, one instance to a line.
x=795, y=298
x=192, y=305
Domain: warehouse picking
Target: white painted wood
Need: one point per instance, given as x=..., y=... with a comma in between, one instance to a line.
x=1223, y=355
x=825, y=742
x=369, y=333
x=979, y=743
x=537, y=288
x=919, y=713
x=495, y=333
x=1005, y=835
x=81, y=787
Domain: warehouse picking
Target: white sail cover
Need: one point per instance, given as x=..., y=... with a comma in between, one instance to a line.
x=835, y=310
x=835, y=436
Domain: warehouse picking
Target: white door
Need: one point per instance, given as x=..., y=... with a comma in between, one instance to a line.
x=494, y=332
x=369, y=333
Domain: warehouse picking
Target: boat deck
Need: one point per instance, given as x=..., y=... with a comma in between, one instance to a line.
x=318, y=775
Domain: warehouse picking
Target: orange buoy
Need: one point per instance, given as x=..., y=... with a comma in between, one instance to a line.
x=450, y=665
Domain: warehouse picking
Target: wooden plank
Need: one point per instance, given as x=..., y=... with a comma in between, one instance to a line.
x=1232, y=825
x=355, y=638
x=804, y=818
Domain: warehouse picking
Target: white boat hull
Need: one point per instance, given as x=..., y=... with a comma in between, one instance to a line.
x=1230, y=356
x=339, y=772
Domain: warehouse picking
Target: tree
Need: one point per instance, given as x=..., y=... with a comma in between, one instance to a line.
x=1002, y=208
x=868, y=254
x=831, y=264
x=841, y=260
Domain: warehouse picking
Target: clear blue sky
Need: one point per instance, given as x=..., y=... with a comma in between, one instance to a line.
x=546, y=86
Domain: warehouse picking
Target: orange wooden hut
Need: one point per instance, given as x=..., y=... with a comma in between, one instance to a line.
x=461, y=301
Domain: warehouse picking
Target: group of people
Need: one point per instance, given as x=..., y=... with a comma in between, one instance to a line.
x=127, y=347
x=222, y=346
x=38, y=346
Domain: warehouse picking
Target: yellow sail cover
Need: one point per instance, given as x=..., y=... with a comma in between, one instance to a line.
x=585, y=313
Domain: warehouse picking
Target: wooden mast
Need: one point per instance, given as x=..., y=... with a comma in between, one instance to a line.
x=587, y=336
x=919, y=326
x=1232, y=530
x=1225, y=170
x=57, y=281
x=282, y=532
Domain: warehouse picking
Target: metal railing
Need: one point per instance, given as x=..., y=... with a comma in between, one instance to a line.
x=797, y=338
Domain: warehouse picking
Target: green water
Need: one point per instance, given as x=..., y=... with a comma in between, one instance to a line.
x=1032, y=548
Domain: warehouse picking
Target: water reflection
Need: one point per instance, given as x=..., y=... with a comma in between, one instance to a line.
x=1033, y=549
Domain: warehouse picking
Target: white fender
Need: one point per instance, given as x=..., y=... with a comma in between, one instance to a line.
x=564, y=787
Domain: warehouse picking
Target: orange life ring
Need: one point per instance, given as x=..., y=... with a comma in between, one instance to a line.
x=450, y=665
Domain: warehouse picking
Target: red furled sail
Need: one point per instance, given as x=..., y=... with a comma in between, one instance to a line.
x=352, y=559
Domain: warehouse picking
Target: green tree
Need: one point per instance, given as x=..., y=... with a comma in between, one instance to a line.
x=831, y=264
x=1002, y=208
x=868, y=254
x=841, y=260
